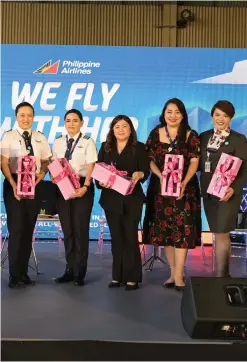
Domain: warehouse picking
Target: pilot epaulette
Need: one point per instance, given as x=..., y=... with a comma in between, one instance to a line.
x=86, y=137
x=59, y=137
x=9, y=130
x=41, y=132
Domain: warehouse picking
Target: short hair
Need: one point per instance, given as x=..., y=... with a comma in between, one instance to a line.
x=225, y=106
x=76, y=111
x=23, y=104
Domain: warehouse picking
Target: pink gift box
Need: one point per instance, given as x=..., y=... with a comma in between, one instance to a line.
x=66, y=179
x=224, y=174
x=117, y=180
x=26, y=177
x=172, y=175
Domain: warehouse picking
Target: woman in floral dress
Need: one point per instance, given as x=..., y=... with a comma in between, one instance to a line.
x=169, y=221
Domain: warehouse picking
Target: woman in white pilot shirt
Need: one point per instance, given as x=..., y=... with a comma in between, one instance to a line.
x=75, y=213
x=22, y=213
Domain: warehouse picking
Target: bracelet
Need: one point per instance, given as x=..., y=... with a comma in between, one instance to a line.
x=87, y=186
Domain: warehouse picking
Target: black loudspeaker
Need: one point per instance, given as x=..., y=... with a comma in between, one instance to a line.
x=215, y=308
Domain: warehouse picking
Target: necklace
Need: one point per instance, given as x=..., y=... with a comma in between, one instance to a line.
x=172, y=142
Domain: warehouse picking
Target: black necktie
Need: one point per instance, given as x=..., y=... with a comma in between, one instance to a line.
x=28, y=143
x=69, y=146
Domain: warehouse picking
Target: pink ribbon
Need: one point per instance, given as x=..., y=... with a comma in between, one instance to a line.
x=26, y=172
x=224, y=175
x=175, y=174
x=114, y=172
x=68, y=172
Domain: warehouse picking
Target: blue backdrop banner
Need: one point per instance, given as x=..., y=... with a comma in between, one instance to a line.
x=105, y=81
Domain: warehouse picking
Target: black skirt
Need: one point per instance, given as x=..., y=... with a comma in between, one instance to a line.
x=222, y=215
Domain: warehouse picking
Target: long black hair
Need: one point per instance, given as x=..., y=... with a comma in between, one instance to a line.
x=111, y=139
x=184, y=125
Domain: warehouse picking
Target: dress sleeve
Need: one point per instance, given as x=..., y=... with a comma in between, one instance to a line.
x=151, y=146
x=193, y=145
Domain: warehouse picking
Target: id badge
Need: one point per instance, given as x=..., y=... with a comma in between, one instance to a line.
x=207, y=166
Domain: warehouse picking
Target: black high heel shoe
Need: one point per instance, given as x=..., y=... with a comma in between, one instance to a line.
x=114, y=284
x=131, y=286
x=169, y=285
x=179, y=288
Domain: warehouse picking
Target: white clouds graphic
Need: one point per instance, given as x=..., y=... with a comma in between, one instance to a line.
x=238, y=75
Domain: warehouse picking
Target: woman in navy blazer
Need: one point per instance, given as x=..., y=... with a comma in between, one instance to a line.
x=222, y=213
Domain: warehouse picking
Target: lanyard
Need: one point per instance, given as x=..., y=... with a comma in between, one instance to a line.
x=74, y=146
x=174, y=142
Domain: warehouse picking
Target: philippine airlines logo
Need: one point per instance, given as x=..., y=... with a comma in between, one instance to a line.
x=68, y=67
x=48, y=68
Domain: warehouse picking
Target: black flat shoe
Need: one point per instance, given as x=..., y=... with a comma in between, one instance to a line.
x=14, y=283
x=25, y=279
x=79, y=281
x=131, y=286
x=114, y=284
x=67, y=277
x=179, y=288
x=169, y=285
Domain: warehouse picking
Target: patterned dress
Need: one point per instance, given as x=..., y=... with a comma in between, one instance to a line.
x=169, y=221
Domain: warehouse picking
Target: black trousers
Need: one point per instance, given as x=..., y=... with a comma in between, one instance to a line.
x=126, y=266
x=21, y=219
x=75, y=216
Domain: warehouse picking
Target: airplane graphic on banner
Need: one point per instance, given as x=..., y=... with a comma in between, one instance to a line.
x=238, y=75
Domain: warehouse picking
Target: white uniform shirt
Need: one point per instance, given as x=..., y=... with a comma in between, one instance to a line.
x=13, y=146
x=85, y=152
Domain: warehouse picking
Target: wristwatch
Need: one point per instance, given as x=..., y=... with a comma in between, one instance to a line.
x=87, y=186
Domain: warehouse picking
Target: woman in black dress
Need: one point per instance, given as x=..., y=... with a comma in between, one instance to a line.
x=123, y=213
x=170, y=222
x=222, y=213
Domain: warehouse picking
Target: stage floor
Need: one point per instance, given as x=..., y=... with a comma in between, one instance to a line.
x=95, y=312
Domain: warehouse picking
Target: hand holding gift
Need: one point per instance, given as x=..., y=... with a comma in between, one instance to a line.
x=106, y=186
x=79, y=192
x=228, y=195
x=138, y=175
x=182, y=189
